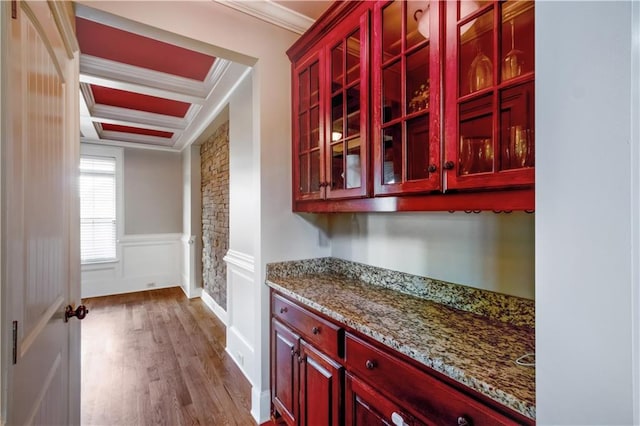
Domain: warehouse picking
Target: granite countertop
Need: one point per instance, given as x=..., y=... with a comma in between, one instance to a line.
x=473, y=349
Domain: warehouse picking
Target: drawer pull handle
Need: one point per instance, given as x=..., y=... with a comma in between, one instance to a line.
x=315, y=330
x=397, y=419
x=464, y=421
x=283, y=310
x=370, y=364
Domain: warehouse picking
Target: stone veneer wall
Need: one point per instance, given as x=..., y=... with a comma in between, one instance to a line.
x=214, y=155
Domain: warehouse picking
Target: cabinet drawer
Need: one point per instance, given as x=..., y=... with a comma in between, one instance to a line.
x=321, y=333
x=427, y=397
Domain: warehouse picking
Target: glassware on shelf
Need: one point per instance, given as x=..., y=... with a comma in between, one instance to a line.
x=476, y=155
x=420, y=98
x=480, y=72
x=513, y=60
x=521, y=146
x=466, y=155
x=353, y=171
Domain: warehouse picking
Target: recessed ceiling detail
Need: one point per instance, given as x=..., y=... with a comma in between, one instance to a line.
x=117, y=45
x=125, y=99
x=146, y=88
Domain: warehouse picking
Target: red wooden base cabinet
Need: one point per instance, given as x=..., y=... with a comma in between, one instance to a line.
x=323, y=373
x=415, y=105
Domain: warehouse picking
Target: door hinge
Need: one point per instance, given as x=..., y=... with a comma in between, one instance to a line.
x=15, y=342
x=14, y=9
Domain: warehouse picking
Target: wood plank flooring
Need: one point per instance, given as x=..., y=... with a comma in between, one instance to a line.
x=157, y=358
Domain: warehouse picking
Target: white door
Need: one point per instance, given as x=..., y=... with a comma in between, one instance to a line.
x=40, y=260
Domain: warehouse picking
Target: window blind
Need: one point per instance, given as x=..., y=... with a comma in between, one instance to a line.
x=97, y=209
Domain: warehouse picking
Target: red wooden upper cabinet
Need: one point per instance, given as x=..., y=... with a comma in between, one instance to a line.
x=330, y=88
x=489, y=94
x=406, y=118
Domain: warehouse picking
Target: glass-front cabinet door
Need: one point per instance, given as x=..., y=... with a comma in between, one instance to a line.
x=308, y=163
x=406, y=97
x=348, y=94
x=489, y=85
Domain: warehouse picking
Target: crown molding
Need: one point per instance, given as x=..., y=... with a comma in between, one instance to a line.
x=121, y=144
x=272, y=13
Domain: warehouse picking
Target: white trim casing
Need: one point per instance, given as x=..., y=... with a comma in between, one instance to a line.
x=215, y=308
x=189, y=272
x=635, y=207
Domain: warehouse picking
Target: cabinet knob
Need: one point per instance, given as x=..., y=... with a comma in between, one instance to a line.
x=315, y=330
x=449, y=165
x=464, y=421
x=370, y=364
x=432, y=168
x=283, y=310
x=397, y=419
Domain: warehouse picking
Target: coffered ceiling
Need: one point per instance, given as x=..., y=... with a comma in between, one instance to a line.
x=146, y=88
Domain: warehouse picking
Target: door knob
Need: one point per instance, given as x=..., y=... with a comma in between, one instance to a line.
x=80, y=312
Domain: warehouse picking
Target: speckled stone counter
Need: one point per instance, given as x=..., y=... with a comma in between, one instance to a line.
x=475, y=343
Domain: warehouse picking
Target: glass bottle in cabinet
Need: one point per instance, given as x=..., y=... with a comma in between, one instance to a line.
x=489, y=84
x=406, y=97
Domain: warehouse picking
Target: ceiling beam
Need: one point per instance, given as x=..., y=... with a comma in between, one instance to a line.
x=116, y=75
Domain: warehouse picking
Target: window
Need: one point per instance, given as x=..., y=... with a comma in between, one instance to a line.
x=98, y=225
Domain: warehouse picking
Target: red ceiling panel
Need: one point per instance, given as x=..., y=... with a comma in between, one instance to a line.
x=121, y=46
x=135, y=130
x=124, y=99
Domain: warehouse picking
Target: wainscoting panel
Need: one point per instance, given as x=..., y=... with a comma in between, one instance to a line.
x=146, y=262
x=241, y=312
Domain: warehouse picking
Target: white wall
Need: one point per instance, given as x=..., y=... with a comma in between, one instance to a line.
x=584, y=227
x=280, y=234
x=150, y=256
x=152, y=192
x=489, y=251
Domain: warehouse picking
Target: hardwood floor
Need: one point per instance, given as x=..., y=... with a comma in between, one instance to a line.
x=157, y=358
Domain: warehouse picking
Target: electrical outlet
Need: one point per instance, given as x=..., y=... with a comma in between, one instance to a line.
x=240, y=358
x=151, y=284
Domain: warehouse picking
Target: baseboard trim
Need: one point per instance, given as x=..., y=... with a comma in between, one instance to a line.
x=215, y=308
x=192, y=294
x=110, y=291
x=260, y=405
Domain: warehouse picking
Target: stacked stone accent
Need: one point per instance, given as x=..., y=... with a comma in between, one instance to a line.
x=214, y=155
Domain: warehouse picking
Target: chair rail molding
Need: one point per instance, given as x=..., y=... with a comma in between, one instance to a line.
x=240, y=260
